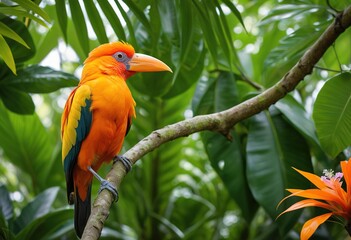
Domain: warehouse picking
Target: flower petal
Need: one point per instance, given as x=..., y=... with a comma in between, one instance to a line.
x=307, y=203
x=325, y=194
x=311, y=225
x=316, y=180
x=346, y=170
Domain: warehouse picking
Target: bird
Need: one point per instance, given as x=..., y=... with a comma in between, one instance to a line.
x=96, y=118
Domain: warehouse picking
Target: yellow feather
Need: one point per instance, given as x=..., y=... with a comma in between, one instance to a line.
x=83, y=92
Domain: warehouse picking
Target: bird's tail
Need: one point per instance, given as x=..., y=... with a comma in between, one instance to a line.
x=82, y=210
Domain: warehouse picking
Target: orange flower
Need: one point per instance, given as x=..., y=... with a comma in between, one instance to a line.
x=329, y=195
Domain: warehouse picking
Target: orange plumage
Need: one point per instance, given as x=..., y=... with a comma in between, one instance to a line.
x=97, y=116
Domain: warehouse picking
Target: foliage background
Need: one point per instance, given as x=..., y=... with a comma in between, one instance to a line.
x=202, y=186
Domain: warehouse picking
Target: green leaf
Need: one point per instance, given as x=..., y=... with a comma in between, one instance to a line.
x=129, y=24
x=224, y=33
x=189, y=54
x=80, y=25
x=74, y=41
x=188, y=30
x=235, y=11
x=21, y=13
x=273, y=148
x=156, y=23
x=289, y=50
x=47, y=226
x=289, y=11
x=203, y=99
x=6, y=54
x=228, y=162
x=332, y=114
x=37, y=208
x=293, y=46
x=48, y=41
x=8, y=32
x=27, y=144
x=113, y=19
x=297, y=116
x=188, y=71
x=61, y=15
x=215, y=94
x=138, y=12
x=31, y=6
x=17, y=101
x=96, y=21
x=5, y=203
x=20, y=53
x=209, y=37
x=168, y=17
x=38, y=79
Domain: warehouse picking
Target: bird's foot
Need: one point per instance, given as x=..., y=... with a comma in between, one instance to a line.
x=125, y=161
x=105, y=184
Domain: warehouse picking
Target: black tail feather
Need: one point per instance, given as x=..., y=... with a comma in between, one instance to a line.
x=82, y=211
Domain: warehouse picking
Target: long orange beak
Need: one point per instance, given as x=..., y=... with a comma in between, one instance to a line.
x=145, y=63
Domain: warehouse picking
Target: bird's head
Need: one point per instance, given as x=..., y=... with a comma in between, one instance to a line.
x=120, y=58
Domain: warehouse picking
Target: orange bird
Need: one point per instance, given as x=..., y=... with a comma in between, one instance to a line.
x=96, y=118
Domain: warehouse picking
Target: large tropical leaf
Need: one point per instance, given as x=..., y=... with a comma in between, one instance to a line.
x=217, y=94
x=37, y=208
x=26, y=143
x=289, y=11
x=273, y=148
x=32, y=6
x=227, y=160
x=8, y=32
x=16, y=100
x=332, y=114
x=297, y=116
x=80, y=25
x=112, y=17
x=38, y=79
x=20, y=52
x=189, y=57
x=292, y=47
x=20, y=13
x=6, y=54
x=12, y=30
x=52, y=225
x=97, y=24
x=16, y=43
x=61, y=15
x=49, y=40
x=34, y=79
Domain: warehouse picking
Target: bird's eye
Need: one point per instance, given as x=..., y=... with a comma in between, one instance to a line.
x=120, y=56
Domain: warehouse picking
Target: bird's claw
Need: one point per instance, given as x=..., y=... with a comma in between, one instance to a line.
x=107, y=185
x=125, y=161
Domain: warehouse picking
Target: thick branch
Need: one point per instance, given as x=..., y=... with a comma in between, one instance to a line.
x=221, y=121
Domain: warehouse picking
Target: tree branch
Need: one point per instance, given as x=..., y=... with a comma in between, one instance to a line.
x=221, y=122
